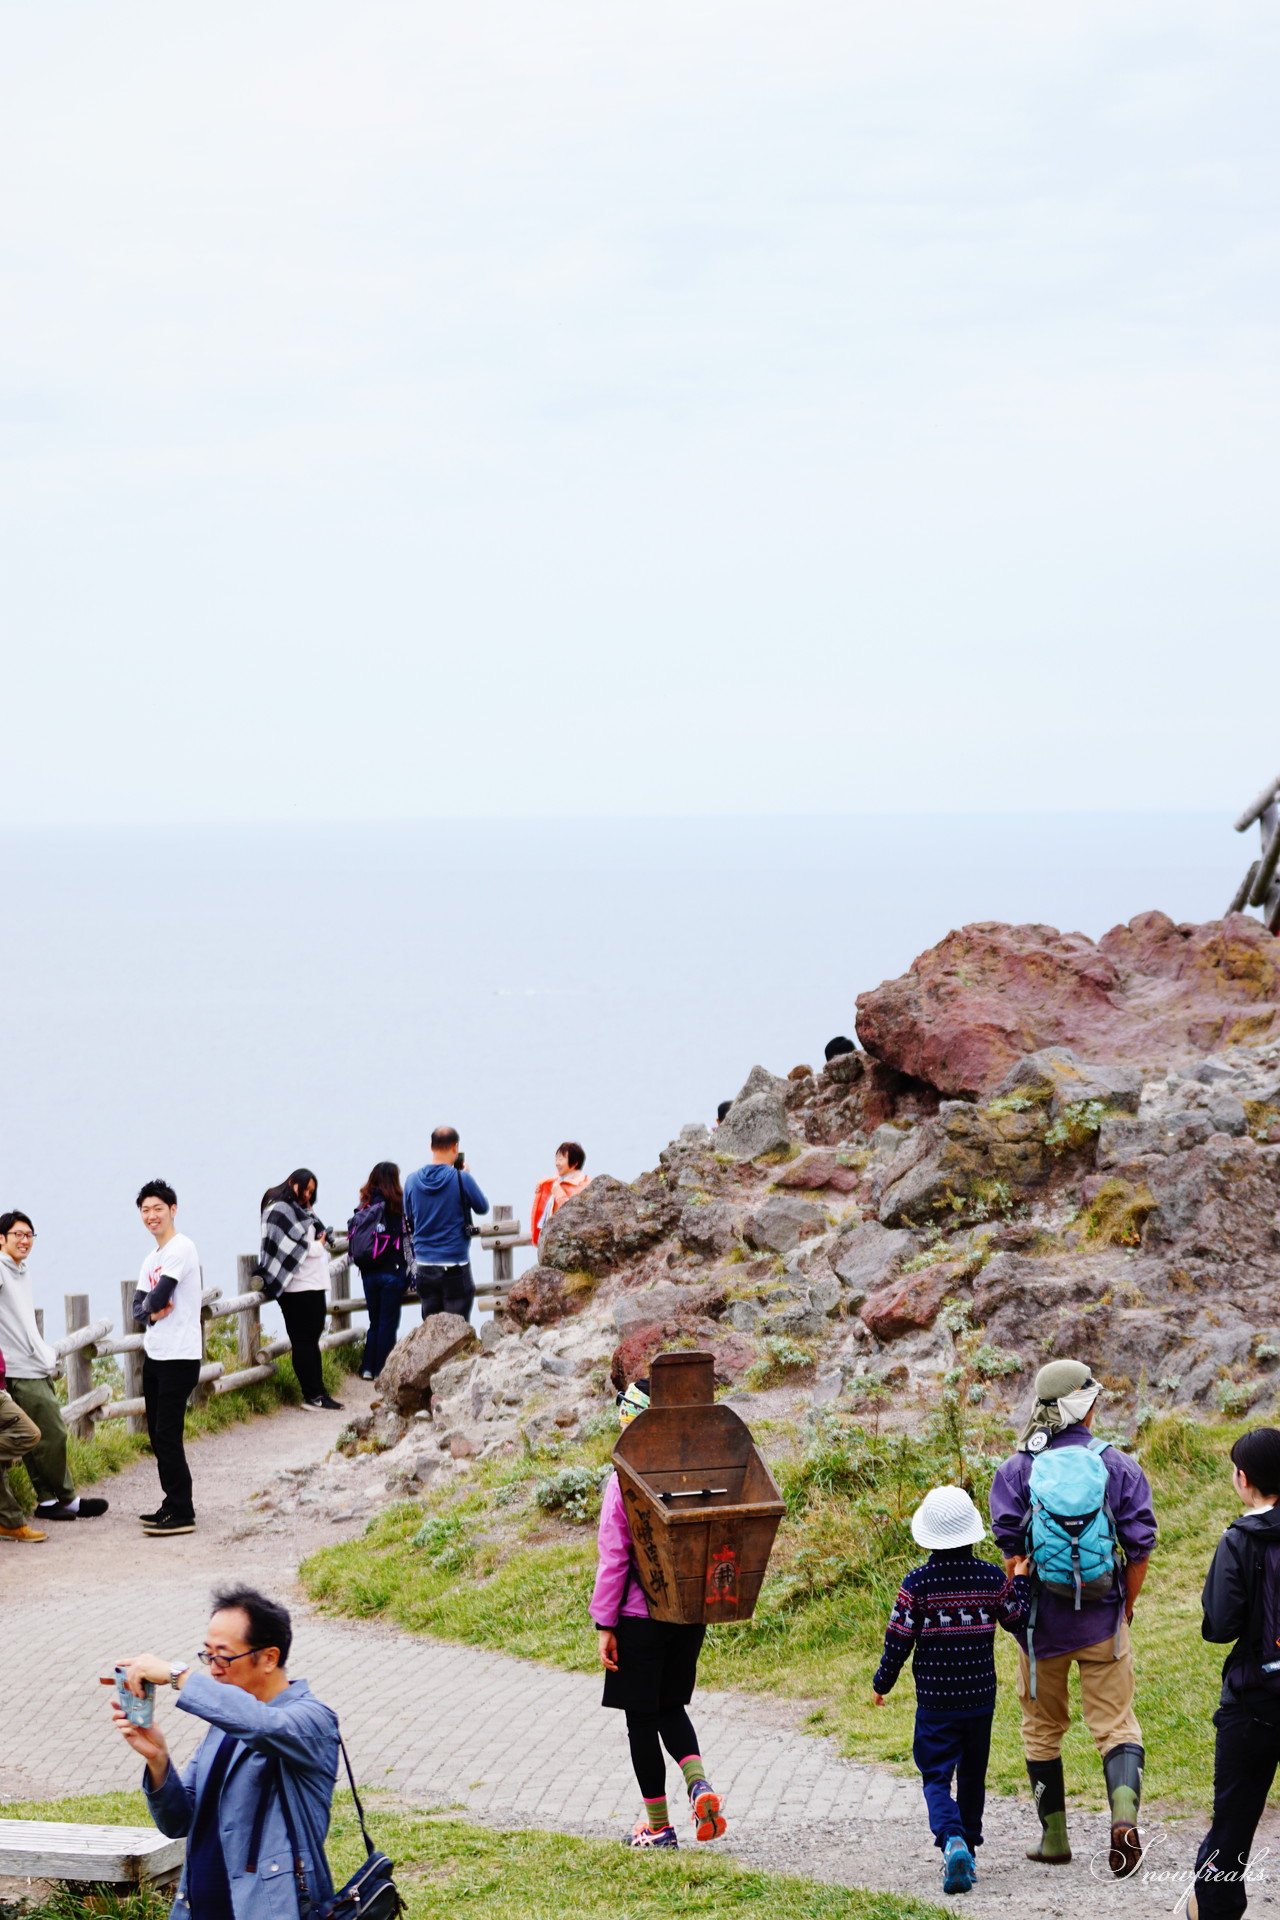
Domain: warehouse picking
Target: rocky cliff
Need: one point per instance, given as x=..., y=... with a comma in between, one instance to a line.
x=1046, y=1146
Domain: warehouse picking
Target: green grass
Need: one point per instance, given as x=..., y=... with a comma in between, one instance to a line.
x=518, y=1582
x=112, y=1448
x=445, y=1865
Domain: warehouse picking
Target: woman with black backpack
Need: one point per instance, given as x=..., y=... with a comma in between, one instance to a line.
x=375, y=1242
x=1241, y=1602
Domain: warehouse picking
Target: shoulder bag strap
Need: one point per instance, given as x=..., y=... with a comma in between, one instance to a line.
x=464, y=1203
x=369, y=1847
x=275, y=1779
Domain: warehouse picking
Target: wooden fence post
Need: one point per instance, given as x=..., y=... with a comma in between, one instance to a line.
x=339, y=1291
x=78, y=1365
x=501, y=1255
x=248, y=1324
x=131, y=1363
x=203, y=1389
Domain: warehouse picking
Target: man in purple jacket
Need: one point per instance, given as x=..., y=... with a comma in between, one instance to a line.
x=1094, y=1634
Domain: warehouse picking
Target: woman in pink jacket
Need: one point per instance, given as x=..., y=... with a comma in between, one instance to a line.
x=651, y=1667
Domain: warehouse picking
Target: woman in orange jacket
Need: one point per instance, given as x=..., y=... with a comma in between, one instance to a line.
x=567, y=1180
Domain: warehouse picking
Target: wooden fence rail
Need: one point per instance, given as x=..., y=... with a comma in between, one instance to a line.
x=86, y=1340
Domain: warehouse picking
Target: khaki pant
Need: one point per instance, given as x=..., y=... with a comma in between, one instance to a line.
x=18, y=1435
x=1106, y=1695
x=47, y=1462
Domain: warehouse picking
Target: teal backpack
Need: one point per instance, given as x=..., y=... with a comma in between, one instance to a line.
x=1070, y=1533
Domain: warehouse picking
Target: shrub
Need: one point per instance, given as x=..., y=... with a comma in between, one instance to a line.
x=781, y=1357
x=446, y=1541
x=1117, y=1214
x=1075, y=1126
x=992, y=1363
x=573, y=1493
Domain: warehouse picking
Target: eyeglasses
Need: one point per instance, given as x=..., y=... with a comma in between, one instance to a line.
x=221, y=1661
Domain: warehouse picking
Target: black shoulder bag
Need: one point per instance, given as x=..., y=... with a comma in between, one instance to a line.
x=370, y=1893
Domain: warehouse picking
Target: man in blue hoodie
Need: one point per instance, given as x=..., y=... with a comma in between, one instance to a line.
x=439, y=1200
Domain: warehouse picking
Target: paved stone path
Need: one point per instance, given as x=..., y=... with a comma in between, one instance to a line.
x=509, y=1741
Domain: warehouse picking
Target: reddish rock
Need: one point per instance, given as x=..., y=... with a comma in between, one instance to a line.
x=906, y=1306
x=814, y=1171
x=632, y=1355
x=1149, y=993
x=734, y=1353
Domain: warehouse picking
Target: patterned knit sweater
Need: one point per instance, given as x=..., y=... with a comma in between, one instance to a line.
x=948, y=1610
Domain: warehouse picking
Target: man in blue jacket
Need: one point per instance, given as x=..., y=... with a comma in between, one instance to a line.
x=439, y=1200
x=267, y=1735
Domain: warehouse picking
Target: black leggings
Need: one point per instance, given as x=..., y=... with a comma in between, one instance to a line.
x=304, y=1323
x=674, y=1730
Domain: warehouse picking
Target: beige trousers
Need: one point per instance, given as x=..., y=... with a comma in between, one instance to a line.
x=1106, y=1695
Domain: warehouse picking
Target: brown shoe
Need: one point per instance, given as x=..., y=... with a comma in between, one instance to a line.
x=21, y=1533
x=1125, y=1856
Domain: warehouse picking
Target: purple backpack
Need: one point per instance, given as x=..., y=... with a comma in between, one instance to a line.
x=367, y=1236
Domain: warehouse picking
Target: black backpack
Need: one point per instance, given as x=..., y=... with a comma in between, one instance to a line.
x=367, y=1236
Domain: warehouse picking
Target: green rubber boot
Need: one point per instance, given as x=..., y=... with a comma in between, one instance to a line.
x=1049, y=1792
x=1123, y=1768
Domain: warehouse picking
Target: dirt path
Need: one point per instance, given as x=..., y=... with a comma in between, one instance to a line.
x=512, y=1742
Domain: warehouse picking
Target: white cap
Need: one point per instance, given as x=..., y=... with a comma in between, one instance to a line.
x=947, y=1517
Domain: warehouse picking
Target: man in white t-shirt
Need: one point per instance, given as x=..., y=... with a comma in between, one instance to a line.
x=167, y=1308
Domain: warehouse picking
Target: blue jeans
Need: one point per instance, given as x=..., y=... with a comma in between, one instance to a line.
x=385, y=1294
x=948, y=1744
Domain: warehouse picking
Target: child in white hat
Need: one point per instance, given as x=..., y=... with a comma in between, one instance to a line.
x=948, y=1611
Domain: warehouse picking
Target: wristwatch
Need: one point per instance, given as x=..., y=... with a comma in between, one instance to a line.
x=176, y=1671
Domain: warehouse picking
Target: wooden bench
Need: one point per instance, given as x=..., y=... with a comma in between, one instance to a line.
x=63, y=1850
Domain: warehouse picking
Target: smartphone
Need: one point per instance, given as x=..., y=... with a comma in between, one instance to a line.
x=140, y=1712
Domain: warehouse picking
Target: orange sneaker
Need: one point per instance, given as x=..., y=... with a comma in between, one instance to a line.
x=704, y=1804
x=21, y=1533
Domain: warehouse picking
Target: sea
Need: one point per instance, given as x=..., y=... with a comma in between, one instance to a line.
x=220, y=1005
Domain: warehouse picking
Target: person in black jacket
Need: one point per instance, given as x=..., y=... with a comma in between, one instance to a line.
x=1247, y=1750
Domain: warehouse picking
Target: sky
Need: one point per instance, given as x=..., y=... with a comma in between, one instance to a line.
x=741, y=407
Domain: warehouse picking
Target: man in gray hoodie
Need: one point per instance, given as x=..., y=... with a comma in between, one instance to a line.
x=31, y=1364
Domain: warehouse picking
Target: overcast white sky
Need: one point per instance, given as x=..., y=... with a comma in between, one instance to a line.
x=683, y=406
